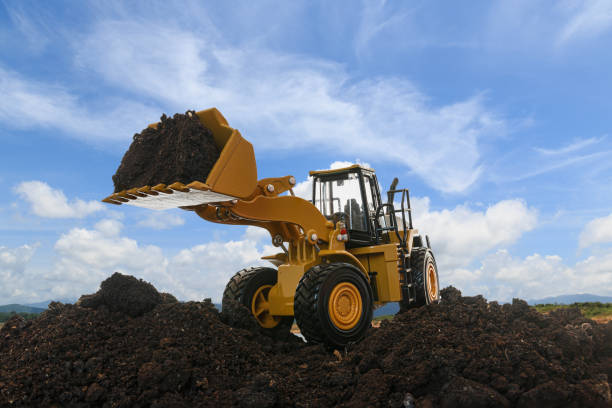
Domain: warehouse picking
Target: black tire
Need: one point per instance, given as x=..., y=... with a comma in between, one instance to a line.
x=311, y=304
x=244, y=285
x=421, y=260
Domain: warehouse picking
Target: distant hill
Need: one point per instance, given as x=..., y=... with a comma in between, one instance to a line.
x=21, y=309
x=569, y=299
x=45, y=304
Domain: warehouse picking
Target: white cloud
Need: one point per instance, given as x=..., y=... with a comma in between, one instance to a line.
x=303, y=189
x=460, y=235
x=596, y=231
x=13, y=275
x=589, y=18
x=161, y=221
x=301, y=102
x=541, y=27
x=376, y=18
x=572, y=147
x=208, y=267
x=34, y=30
x=28, y=104
x=48, y=202
x=88, y=256
x=502, y=276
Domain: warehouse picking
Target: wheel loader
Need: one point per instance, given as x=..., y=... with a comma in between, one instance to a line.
x=341, y=254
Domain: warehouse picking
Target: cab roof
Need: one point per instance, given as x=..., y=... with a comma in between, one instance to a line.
x=350, y=169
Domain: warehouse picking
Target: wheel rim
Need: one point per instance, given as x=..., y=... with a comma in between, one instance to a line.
x=260, y=307
x=345, y=306
x=432, y=282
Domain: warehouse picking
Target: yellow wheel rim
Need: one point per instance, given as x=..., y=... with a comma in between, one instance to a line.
x=345, y=306
x=260, y=307
x=432, y=282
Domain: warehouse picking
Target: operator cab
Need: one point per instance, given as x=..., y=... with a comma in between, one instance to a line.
x=352, y=195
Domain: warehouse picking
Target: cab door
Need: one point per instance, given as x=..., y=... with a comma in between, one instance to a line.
x=348, y=196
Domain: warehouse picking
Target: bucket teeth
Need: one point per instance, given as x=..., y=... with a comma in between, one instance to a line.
x=179, y=187
x=136, y=192
x=125, y=194
x=162, y=196
x=110, y=200
x=198, y=185
x=162, y=189
x=147, y=190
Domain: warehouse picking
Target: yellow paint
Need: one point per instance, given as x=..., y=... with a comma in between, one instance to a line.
x=432, y=282
x=260, y=307
x=282, y=294
x=383, y=260
x=333, y=171
x=345, y=306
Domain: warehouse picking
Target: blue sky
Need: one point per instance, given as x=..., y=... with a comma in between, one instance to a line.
x=496, y=116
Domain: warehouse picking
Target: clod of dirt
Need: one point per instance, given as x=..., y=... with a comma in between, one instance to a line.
x=125, y=294
x=180, y=149
x=450, y=294
x=237, y=315
x=168, y=298
x=461, y=392
x=13, y=325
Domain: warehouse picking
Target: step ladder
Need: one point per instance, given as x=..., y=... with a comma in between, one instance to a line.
x=404, y=269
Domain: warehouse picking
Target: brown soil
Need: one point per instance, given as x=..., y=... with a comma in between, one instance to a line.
x=463, y=352
x=180, y=149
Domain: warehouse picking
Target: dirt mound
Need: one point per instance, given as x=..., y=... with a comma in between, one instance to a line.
x=180, y=149
x=178, y=354
x=463, y=352
x=125, y=294
x=473, y=353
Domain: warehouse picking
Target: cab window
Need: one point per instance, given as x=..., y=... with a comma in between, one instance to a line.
x=341, y=197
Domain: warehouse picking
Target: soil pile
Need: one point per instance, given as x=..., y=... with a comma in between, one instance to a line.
x=463, y=352
x=180, y=149
x=467, y=352
x=175, y=355
x=126, y=294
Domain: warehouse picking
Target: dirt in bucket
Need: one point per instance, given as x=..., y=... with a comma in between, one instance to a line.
x=180, y=149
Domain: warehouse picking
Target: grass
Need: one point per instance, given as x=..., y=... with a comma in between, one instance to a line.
x=4, y=316
x=588, y=309
x=385, y=317
x=592, y=310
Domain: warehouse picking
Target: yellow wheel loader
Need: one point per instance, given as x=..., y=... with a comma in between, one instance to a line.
x=341, y=254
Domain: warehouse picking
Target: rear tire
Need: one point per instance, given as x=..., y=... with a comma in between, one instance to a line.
x=426, y=280
x=250, y=288
x=333, y=304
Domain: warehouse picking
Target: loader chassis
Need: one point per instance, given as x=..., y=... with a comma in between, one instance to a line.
x=343, y=253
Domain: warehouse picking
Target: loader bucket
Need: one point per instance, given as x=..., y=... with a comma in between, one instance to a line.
x=233, y=176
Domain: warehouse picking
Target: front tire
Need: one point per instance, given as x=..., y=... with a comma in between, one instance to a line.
x=250, y=287
x=333, y=304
